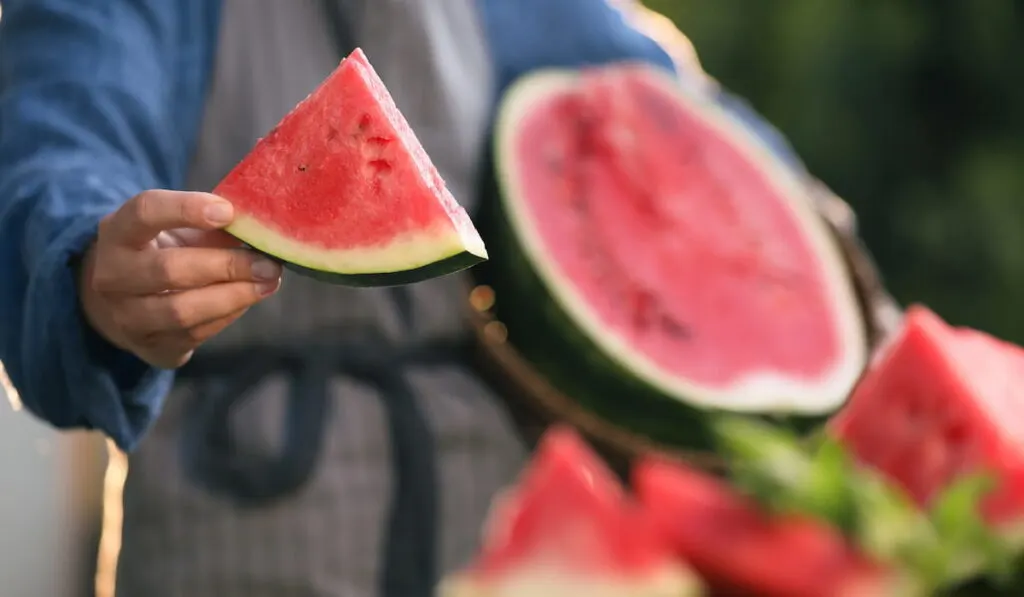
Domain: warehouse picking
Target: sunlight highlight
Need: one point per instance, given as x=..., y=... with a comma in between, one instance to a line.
x=113, y=514
x=7, y=388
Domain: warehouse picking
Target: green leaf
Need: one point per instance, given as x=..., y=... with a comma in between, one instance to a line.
x=751, y=442
x=972, y=546
x=828, y=488
x=892, y=529
x=766, y=462
x=783, y=474
x=940, y=548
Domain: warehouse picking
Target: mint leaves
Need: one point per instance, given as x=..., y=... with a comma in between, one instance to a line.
x=941, y=547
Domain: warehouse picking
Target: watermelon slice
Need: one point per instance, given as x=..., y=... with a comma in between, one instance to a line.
x=680, y=255
x=740, y=550
x=343, y=191
x=568, y=528
x=937, y=403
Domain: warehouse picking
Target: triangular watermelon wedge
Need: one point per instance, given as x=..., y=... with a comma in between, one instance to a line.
x=939, y=403
x=342, y=190
x=568, y=528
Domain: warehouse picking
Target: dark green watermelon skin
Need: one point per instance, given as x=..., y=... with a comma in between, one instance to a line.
x=570, y=361
x=451, y=265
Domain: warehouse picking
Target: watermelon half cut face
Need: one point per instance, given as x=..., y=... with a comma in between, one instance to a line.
x=342, y=190
x=568, y=528
x=675, y=243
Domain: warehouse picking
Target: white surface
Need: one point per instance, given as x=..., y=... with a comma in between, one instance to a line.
x=45, y=508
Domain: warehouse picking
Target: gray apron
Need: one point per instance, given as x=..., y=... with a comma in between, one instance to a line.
x=357, y=525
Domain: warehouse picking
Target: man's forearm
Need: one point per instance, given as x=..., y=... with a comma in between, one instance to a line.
x=98, y=101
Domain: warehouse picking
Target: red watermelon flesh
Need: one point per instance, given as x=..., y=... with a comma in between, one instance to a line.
x=568, y=528
x=342, y=187
x=679, y=243
x=741, y=551
x=939, y=402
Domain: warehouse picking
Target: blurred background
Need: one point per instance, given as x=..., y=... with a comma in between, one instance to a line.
x=912, y=110
x=50, y=505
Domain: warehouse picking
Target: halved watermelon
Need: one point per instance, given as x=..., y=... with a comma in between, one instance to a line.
x=568, y=528
x=937, y=403
x=672, y=253
x=740, y=550
x=342, y=190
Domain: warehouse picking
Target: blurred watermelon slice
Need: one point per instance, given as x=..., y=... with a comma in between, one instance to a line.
x=568, y=528
x=937, y=403
x=741, y=550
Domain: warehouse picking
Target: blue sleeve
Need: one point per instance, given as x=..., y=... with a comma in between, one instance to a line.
x=526, y=35
x=99, y=100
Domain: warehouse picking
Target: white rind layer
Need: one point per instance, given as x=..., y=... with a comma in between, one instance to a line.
x=410, y=251
x=756, y=391
x=667, y=581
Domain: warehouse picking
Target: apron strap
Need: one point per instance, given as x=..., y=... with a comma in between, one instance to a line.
x=215, y=459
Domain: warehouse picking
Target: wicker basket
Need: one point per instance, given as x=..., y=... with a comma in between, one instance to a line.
x=536, y=403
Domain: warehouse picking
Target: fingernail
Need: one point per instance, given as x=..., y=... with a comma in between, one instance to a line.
x=265, y=269
x=218, y=213
x=265, y=288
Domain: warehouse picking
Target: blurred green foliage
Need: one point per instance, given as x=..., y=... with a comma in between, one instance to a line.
x=912, y=110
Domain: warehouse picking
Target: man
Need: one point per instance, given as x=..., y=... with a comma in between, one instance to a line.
x=321, y=441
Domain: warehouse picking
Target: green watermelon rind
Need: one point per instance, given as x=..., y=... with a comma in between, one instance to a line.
x=450, y=251
x=612, y=371
x=573, y=363
x=445, y=267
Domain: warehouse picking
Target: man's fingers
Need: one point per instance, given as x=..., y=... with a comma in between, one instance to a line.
x=189, y=267
x=180, y=311
x=170, y=350
x=204, y=331
x=212, y=239
x=182, y=268
x=147, y=214
x=166, y=358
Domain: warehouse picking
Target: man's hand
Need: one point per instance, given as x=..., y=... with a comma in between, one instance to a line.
x=162, y=277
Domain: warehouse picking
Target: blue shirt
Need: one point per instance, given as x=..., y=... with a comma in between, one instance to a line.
x=102, y=100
